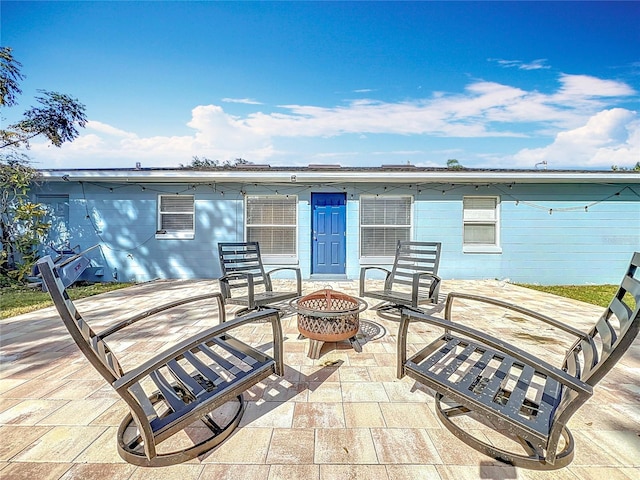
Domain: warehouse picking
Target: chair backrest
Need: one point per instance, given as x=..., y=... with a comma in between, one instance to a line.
x=242, y=258
x=92, y=346
x=414, y=257
x=593, y=356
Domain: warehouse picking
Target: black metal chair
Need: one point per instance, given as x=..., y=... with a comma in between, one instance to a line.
x=244, y=280
x=413, y=280
x=512, y=391
x=198, y=381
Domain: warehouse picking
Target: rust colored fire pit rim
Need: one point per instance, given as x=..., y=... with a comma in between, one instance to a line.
x=359, y=304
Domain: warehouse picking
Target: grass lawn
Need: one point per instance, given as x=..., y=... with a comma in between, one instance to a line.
x=17, y=300
x=595, y=294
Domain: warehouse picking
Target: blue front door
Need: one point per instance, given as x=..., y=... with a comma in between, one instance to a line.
x=328, y=243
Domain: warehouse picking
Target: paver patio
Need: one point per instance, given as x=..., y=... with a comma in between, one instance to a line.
x=345, y=415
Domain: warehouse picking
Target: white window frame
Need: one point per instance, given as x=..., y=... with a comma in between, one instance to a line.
x=383, y=259
x=270, y=258
x=481, y=217
x=186, y=233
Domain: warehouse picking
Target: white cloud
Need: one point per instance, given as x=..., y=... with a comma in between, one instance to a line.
x=533, y=65
x=579, y=114
x=246, y=101
x=610, y=137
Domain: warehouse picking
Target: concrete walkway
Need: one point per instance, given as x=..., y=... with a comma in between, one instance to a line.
x=343, y=416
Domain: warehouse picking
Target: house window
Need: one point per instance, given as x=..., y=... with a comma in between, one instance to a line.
x=176, y=216
x=272, y=221
x=383, y=221
x=481, y=222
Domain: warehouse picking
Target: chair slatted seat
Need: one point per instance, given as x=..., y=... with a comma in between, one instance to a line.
x=198, y=380
x=508, y=388
x=413, y=280
x=245, y=281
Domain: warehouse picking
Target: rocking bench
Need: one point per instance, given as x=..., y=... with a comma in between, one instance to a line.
x=511, y=390
x=200, y=380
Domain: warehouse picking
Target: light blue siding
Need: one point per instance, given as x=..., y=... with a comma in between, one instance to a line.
x=568, y=246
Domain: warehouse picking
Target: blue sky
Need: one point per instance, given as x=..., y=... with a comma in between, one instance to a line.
x=493, y=85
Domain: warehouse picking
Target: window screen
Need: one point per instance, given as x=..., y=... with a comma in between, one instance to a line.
x=480, y=219
x=176, y=214
x=383, y=221
x=271, y=220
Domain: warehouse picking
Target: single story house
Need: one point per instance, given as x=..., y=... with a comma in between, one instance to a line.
x=537, y=226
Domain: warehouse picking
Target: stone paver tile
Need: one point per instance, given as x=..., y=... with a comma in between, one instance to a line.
x=99, y=471
x=30, y=412
x=412, y=472
x=602, y=416
x=363, y=415
x=409, y=415
x=103, y=450
x=364, y=392
x=40, y=471
x=7, y=384
x=599, y=473
x=35, y=388
x=363, y=359
x=354, y=374
x=342, y=472
x=60, y=444
x=622, y=446
x=325, y=392
x=78, y=412
x=75, y=389
x=455, y=452
x=386, y=360
x=246, y=445
x=318, y=415
x=7, y=403
x=16, y=438
x=113, y=415
x=457, y=472
x=268, y=414
x=234, y=472
x=347, y=446
x=316, y=374
x=632, y=473
x=291, y=446
x=405, y=445
x=293, y=472
x=382, y=374
x=406, y=391
x=185, y=471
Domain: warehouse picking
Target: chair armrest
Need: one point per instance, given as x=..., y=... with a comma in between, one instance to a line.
x=226, y=288
x=135, y=375
x=510, y=306
x=363, y=274
x=540, y=365
x=434, y=287
x=296, y=270
x=167, y=306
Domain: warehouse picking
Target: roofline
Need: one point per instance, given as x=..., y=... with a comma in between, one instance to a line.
x=336, y=175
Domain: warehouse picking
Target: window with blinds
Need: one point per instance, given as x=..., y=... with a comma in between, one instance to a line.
x=480, y=223
x=176, y=216
x=272, y=220
x=383, y=221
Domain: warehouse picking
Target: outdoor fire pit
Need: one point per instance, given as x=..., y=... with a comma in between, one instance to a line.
x=328, y=316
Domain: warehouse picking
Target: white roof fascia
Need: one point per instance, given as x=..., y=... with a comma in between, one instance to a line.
x=324, y=177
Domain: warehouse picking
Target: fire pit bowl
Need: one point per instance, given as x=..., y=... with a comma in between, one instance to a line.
x=328, y=316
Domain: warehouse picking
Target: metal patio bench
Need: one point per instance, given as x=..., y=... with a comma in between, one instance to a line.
x=244, y=280
x=412, y=281
x=198, y=382
x=511, y=390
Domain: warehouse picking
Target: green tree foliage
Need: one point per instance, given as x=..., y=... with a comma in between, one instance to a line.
x=202, y=163
x=57, y=117
x=453, y=164
x=635, y=168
